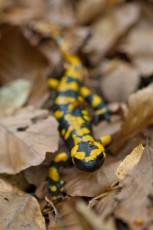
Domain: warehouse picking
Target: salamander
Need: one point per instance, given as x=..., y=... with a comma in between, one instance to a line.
x=75, y=123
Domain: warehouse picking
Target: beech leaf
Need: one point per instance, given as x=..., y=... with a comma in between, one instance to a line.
x=25, y=139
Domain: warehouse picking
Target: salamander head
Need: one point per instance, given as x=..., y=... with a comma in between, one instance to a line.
x=88, y=156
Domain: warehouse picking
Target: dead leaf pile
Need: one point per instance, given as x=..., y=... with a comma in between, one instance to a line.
x=113, y=38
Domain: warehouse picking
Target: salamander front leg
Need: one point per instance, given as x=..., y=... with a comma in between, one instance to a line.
x=100, y=109
x=56, y=185
x=105, y=140
x=53, y=83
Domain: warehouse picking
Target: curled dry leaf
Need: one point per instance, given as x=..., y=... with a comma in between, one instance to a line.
x=119, y=80
x=109, y=28
x=129, y=162
x=79, y=183
x=20, y=212
x=138, y=46
x=138, y=116
x=25, y=139
x=135, y=200
x=13, y=96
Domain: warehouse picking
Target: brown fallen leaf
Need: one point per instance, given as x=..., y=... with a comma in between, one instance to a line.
x=13, y=96
x=22, y=11
x=5, y=186
x=129, y=162
x=109, y=28
x=105, y=206
x=20, y=60
x=119, y=80
x=79, y=183
x=88, y=10
x=20, y=212
x=25, y=139
x=107, y=128
x=138, y=46
x=138, y=116
x=36, y=175
x=135, y=200
x=73, y=214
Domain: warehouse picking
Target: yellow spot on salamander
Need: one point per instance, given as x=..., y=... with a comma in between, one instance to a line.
x=68, y=132
x=84, y=91
x=53, y=188
x=87, y=138
x=63, y=132
x=62, y=189
x=53, y=174
x=99, y=146
x=61, y=157
x=101, y=111
x=62, y=100
x=96, y=100
x=74, y=150
x=58, y=114
x=69, y=86
x=80, y=155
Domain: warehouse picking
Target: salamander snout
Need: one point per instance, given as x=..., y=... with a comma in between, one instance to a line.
x=88, y=158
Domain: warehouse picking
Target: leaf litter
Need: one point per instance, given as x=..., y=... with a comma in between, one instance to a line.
x=118, y=57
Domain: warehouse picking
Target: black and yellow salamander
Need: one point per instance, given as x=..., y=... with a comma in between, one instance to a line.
x=86, y=153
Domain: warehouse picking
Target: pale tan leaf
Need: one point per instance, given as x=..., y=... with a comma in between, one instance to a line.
x=5, y=186
x=79, y=183
x=25, y=139
x=109, y=28
x=138, y=116
x=129, y=162
x=119, y=80
x=138, y=46
x=13, y=96
x=20, y=212
x=88, y=10
x=135, y=200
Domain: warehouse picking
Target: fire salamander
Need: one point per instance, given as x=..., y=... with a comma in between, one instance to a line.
x=86, y=153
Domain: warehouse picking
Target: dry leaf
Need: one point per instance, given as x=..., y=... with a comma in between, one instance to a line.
x=107, y=128
x=22, y=11
x=13, y=96
x=109, y=28
x=135, y=200
x=119, y=80
x=129, y=162
x=20, y=212
x=139, y=115
x=88, y=10
x=5, y=186
x=74, y=214
x=79, y=183
x=25, y=139
x=138, y=46
x=36, y=175
x=20, y=60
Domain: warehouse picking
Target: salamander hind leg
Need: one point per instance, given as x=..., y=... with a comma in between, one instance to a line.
x=56, y=185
